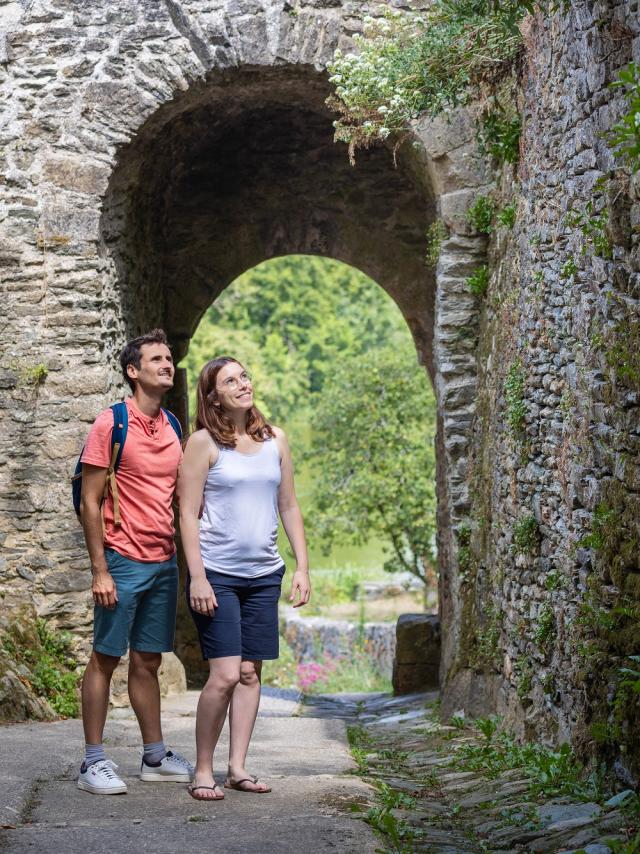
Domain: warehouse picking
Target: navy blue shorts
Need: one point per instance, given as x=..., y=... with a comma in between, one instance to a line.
x=245, y=623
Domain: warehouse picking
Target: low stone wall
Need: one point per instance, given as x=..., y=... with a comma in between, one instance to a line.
x=311, y=637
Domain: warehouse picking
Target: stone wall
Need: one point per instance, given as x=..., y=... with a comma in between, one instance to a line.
x=548, y=528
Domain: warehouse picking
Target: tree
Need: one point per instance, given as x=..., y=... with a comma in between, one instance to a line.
x=373, y=459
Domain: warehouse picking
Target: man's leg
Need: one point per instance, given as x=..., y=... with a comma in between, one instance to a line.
x=242, y=717
x=224, y=674
x=144, y=693
x=95, y=695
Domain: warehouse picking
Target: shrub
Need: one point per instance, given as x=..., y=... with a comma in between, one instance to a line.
x=410, y=63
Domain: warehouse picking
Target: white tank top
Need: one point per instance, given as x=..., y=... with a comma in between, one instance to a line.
x=239, y=524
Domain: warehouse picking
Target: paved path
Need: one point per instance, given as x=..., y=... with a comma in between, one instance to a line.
x=306, y=759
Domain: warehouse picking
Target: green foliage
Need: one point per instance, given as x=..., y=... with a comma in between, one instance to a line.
x=625, y=134
x=481, y=214
x=408, y=63
x=514, y=388
x=36, y=374
x=290, y=320
x=373, y=458
x=398, y=834
x=479, y=280
x=351, y=674
x=594, y=229
x=603, y=519
x=568, y=269
x=526, y=536
x=436, y=233
x=623, y=355
x=499, y=135
x=550, y=773
x=554, y=580
x=545, y=626
x=507, y=216
x=48, y=663
x=525, y=681
x=632, y=675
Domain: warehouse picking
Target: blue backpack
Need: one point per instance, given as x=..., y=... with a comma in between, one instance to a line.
x=118, y=437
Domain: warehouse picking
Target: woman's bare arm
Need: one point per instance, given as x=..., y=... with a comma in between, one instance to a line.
x=293, y=523
x=199, y=455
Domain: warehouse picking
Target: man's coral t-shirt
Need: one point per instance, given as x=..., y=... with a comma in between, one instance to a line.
x=146, y=479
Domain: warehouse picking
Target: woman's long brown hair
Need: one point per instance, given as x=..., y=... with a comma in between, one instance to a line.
x=211, y=416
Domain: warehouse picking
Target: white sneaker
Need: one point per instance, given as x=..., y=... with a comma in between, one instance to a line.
x=101, y=779
x=174, y=768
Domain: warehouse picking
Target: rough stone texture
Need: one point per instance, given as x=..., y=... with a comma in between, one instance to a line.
x=539, y=631
x=151, y=152
x=171, y=676
x=309, y=637
x=417, y=659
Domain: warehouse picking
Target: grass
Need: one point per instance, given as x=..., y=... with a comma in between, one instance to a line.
x=549, y=773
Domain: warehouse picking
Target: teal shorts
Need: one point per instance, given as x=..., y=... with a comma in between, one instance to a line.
x=145, y=614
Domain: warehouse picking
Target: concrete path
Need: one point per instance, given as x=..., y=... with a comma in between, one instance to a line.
x=305, y=759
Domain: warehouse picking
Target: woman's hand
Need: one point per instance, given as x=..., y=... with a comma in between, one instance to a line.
x=300, y=584
x=201, y=597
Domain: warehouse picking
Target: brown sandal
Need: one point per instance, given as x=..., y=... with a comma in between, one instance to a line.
x=237, y=785
x=192, y=789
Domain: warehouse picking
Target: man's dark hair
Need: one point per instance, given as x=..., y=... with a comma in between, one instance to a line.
x=132, y=351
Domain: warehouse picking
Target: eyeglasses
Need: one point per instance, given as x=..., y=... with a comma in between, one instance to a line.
x=234, y=383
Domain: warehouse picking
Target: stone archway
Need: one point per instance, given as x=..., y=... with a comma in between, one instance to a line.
x=187, y=144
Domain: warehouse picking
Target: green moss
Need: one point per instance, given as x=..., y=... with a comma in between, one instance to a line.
x=487, y=650
x=525, y=681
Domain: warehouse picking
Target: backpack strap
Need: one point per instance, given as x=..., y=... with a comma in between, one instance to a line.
x=118, y=437
x=174, y=423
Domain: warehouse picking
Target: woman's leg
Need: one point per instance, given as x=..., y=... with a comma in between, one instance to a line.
x=224, y=675
x=242, y=717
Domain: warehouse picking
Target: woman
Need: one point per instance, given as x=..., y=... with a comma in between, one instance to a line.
x=243, y=467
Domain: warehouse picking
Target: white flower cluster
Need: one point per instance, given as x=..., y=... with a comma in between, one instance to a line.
x=371, y=82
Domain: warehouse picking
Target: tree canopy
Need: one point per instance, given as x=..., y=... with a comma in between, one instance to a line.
x=334, y=363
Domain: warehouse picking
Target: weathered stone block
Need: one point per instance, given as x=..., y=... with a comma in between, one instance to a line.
x=417, y=659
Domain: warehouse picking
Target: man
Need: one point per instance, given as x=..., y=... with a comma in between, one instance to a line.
x=133, y=560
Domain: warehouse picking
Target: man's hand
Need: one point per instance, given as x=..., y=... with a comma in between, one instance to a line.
x=104, y=590
x=201, y=597
x=301, y=585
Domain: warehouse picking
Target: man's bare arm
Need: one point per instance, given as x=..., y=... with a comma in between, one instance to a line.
x=103, y=586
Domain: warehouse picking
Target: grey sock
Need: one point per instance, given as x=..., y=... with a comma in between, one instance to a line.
x=154, y=752
x=93, y=753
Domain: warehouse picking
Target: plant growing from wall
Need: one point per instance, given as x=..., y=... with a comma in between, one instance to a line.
x=593, y=227
x=407, y=64
x=624, y=353
x=481, y=213
x=507, y=216
x=624, y=136
x=568, y=269
x=499, y=134
x=526, y=536
x=436, y=233
x=514, y=388
x=545, y=627
x=478, y=281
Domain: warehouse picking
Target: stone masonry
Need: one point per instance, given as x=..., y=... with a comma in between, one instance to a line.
x=150, y=152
